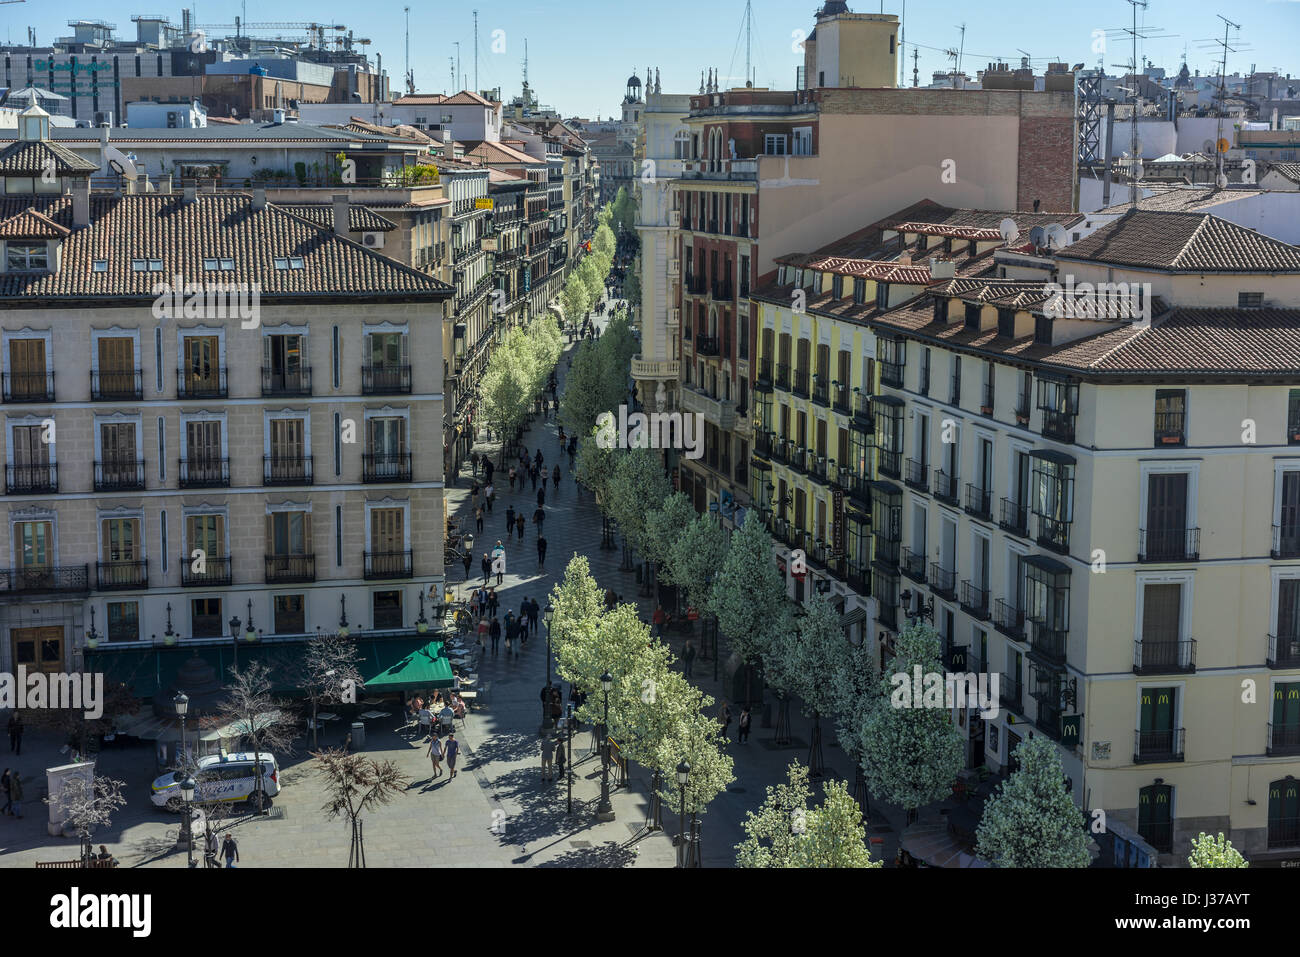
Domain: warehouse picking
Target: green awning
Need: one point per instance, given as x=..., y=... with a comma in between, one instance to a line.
x=403, y=666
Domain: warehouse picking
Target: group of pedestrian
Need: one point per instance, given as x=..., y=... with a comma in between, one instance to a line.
x=440, y=750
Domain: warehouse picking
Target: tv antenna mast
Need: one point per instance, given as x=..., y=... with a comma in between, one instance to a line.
x=456, y=44
x=956, y=54
x=410, y=77
x=475, y=51
x=1220, y=178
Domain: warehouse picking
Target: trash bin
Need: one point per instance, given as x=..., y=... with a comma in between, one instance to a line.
x=358, y=735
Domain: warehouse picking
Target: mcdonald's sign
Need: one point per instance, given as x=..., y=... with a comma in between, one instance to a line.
x=1071, y=726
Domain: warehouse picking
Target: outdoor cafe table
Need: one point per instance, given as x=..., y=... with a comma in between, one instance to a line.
x=371, y=715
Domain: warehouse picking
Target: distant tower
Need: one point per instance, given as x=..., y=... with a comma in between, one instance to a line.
x=632, y=102
x=633, y=94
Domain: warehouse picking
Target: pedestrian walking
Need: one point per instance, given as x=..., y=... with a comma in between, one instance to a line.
x=450, y=750
x=524, y=629
x=532, y=474
x=724, y=718
x=555, y=478
x=512, y=633
x=486, y=565
x=688, y=657
x=478, y=520
x=534, y=610
x=495, y=631
x=210, y=849
x=468, y=559
x=230, y=851
x=562, y=439
x=493, y=602
x=483, y=629
x=519, y=527
x=538, y=458
x=6, y=784
x=488, y=469
x=435, y=755
x=513, y=473
x=510, y=519
x=539, y=517
x=489, y=494
x=742, y=727
x=658, y=619
x=548, y=757
x=473, y=464
x=541, y=552
x=15, y=734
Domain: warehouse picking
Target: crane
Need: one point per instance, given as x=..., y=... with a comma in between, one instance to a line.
x=315, y=31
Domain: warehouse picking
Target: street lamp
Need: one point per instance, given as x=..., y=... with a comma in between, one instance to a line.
x=343, y=616
x=421, y=624
x=182, y=705
x=568, y=725
x=683, y=776
x=548, y=615
x=187, y=795
x=605, y=810
x=234, y=636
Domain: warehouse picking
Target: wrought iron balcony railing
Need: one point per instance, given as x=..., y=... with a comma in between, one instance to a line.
x=204, y=473
x=1151, y=657
x=1158, y=746
x=287, y=569
x=122, y=386
x=118, y=576
x=1169, y=544
x=386, y=565
x=209, y=572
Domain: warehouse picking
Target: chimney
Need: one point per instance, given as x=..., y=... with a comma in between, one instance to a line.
x=942, y=268
x=189, y=194
x=165, y=185
x=80, y=201
x=103, y=135
x=341, y=215
x=259, y=197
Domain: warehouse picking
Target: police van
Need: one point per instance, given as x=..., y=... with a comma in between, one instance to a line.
x=220, y=777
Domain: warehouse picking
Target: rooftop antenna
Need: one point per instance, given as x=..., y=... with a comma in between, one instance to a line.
x=475, y=51
x=456, y=43
x=916, y=73
x=410, y=78
x=1220, y=178
x=961, y=48
x=451, y=68
x=749, y=19
x=902, y=35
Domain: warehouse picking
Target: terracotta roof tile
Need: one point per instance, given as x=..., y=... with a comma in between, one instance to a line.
x=1184, y=242
x=30, y=224
x=360, y=218
x=33, y=158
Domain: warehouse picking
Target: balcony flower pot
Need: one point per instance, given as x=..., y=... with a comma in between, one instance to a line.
x=1022, y=419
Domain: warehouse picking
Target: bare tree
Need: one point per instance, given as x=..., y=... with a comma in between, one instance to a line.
x=328, y=673
x=87, y=804
x=354, y=784
x=74, y=727
x=260, y=718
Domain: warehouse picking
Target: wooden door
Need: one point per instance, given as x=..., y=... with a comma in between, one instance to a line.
x=27, y=365
x=38, y=649
x=202, y=363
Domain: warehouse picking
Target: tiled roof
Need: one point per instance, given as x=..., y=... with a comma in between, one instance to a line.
x=223, y=133
x=360, y=218
x=1183, y=199
x=1289, y=170
x=213, y=225
x=30, y=224
x=33, y=158
x=1184, y=242
x=1211, y=342
x=489, y=152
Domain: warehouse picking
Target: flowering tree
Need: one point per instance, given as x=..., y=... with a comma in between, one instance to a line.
x=1218, y=851
x=748, y=596
x=786, y=832
x=575, y=298
x=803, y=663
x=1030, y=821
x=911, y=754
x=635, y=486
x=694, y=559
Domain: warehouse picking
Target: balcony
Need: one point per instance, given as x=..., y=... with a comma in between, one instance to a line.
x=45, y=578
x=1286, y=540
x=1015, y=518
x=975, y=600
x=800, y=386
x=214, y=385
x=721, y=412
x=386, y=379
x=1058, y=425
x=388, y=565
x=38, y=479
x=723, y=292
x=279, y=382
x=1009, y=620
x=1153, y=747
x=1164, y=657
x=986, y=400
x=821, y=391
x=1054, y=534
x=815, y=466
x=943, y=582
x=28, y=386
x=1010, y=693
x=913, y=565
x=763, y=376
x=287, y=469
x=1023, y=411
x=1169, y=545
x=1047, y=644
x=979, y=501
x=119, y=476
x=889, y=463
x=650, y=370
x=1284, y=832
x=1283, y=739
x=386, y=467
x=862, y=410
x=858, y=487
x=695, y=286
x=840, y=401
x=891, y=374
x=783, y=376
x=917, y=475
x=1284, y=651
x=888, y=550
x=116, y=386
x=288, y=569
x=1170, y=429
x=121, y=576
x=215, y=573
x=707, y=346
x=946, y=487
x=204, y=473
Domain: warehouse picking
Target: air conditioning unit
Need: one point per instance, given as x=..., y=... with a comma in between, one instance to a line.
x=373, y=240
x=171, y=120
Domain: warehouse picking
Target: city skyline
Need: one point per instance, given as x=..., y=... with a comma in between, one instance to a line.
x=717, y=41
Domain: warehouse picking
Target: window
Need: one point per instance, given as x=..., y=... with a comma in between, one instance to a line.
x=972, y=317
x=27, y=258
x=1052, y=498
x=774, y=144
x=1284, y=813
x=155, y=265
x=1165, y=534
x=99, y=265
x=837, y=287
x=1171, y=413
x=123, y=621
x=295, y=262
x=387, y=608
x=954, y=397
x=859, y=291
x=882, y=295
x=1043, y=330
x=802, y=145
x=1059, y=401
x=280, y=263
x=289, y=618
x=209, y=265
x=1250, y=300
x=205, y=618
x=923, y=384
x=1293, y=417
x=139, y=265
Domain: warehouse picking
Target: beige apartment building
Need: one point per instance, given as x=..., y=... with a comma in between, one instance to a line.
x=180, y=467
x=1104, y=509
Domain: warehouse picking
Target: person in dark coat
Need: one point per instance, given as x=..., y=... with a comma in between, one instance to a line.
x=495, y=632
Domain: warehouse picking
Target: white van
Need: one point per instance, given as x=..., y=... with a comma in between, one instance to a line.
x=220, y=777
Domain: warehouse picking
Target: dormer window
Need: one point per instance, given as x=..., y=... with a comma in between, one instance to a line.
x=99, y=265
x=295, y=262
x=139, y=265
x=227, y=264
x=24, y=257
x=155, y=265
x=209, y=265
x=280, y=263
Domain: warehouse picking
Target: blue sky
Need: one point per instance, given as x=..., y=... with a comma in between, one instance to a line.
x=581, y=52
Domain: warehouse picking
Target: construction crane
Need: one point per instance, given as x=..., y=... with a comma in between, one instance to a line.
x=315, y=31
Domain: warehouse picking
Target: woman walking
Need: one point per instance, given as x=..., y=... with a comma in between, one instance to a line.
x=435, y=755
x=478, y=519
x=555, y=478
x=519, y=526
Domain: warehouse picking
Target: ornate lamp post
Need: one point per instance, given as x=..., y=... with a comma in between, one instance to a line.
x=187, y=795
x=343, y=616
x=605, y=810
x=235, y=624
x=548, y=615
x=683, y=776
x=182, y=705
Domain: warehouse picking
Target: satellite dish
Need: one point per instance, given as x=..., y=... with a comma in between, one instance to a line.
x=120, y=163
x=1207, y=146
x=1056, y=236
x=1038, y=236
x=1010, y=232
